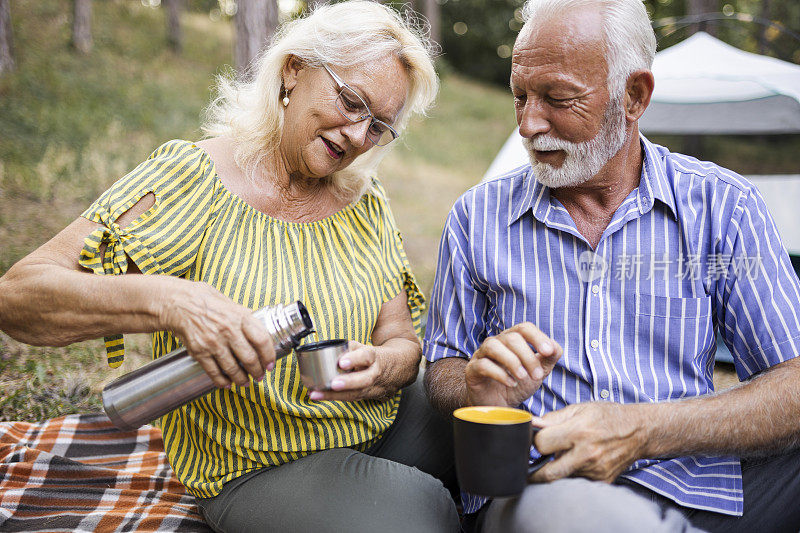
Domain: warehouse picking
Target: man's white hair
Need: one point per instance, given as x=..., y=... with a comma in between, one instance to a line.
x=630, y=40
x=345, y=34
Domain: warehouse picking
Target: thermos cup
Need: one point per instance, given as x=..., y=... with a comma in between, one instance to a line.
x=319, y=362
x=175, y=379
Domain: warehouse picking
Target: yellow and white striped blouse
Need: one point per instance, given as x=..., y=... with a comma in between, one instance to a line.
x=343, y=268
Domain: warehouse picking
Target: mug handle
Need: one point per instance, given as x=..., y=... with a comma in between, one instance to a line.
x=539, y=463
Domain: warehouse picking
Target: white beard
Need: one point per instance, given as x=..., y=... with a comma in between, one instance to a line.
x=585, y=159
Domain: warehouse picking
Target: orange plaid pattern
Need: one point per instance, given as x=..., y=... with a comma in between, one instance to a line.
x=79, y=473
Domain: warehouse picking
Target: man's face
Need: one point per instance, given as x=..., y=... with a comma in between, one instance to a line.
x=570, y=125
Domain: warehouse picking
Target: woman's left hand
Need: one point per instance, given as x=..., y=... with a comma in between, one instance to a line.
x=378, y=371
x=362, y=378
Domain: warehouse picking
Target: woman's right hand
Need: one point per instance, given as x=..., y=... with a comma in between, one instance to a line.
x=223, y=336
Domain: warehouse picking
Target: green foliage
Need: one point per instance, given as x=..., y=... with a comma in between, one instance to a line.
x=203, y=6
x=478, y=35
x=741, y=23
x=72, y=124
x=465, y=113
x=475, y=33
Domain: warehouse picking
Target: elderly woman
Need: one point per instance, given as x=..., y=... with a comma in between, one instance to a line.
x=279, y=204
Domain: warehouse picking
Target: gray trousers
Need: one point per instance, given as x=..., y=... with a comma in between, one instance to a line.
x=394, y=486
x=771, y=495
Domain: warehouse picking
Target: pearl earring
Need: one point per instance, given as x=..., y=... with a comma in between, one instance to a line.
x=286, y=100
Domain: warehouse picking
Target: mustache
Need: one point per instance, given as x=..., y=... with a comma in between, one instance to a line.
x=545, y=142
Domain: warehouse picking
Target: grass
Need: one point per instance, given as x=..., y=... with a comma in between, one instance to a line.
x=70, y=125
x=39, y=383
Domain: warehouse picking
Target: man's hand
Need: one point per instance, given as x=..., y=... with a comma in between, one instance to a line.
x=508, y=368
x=593, y=440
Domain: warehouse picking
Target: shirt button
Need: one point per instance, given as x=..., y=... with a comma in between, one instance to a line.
x=595, y=344
x=595, y=289
x=604, y=394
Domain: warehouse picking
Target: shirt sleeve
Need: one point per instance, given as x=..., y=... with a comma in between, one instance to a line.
x=760, y=293
x=397, y=269
x=456, y=322
x=165, y=239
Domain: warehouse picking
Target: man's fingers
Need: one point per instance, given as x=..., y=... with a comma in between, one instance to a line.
x=561, y=467
x=487, y=368
x=561, y=416
x=554, y=438
x=517, y=344
x=541, y=343
x=496, y=350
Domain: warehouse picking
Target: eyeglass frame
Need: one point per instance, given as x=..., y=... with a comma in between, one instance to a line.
x=342, y=85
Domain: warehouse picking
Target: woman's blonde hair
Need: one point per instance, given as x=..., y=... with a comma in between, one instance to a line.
x=346, y=34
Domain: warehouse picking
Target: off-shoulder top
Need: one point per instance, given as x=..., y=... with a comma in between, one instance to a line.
x=343, y=268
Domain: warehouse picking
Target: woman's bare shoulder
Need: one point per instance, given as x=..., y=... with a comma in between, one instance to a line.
x=220, y=150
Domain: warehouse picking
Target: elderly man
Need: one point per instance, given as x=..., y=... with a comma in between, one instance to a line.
x=631, y=258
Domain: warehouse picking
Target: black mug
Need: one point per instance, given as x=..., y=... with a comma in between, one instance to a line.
x=492, y=450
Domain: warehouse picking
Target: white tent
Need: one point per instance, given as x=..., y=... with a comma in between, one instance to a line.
x=704, y=86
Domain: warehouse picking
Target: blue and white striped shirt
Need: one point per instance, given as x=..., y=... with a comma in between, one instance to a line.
x=691, y=250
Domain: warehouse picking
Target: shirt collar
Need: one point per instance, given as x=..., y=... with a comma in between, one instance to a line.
x=530, y=194
x=654, y=183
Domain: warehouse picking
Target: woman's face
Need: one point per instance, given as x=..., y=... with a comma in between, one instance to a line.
x=317, y=139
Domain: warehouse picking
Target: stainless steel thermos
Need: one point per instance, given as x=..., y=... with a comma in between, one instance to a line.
x=170, y=381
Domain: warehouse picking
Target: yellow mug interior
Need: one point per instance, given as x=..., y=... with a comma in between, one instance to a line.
x=492, y=415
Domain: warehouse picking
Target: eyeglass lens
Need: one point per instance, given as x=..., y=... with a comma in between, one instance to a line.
x=353, y=108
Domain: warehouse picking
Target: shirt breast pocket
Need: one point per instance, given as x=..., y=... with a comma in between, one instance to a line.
x=675, y=335
x=673, y=307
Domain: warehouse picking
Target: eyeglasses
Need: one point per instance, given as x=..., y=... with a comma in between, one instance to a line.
x=355, y=109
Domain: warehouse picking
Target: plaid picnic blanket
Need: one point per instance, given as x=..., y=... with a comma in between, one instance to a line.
x=80, y=473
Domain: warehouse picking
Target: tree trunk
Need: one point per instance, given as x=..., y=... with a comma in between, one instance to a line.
x=702, y=7
x=82, y=26
x=432, y=12
x=174, y=35
x=256, y=21
x=6, y=41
